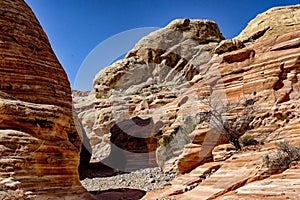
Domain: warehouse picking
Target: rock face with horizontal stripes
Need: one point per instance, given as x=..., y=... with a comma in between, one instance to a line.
x=268, y=71
x=39, y=143
x=177, y=73
x=29, y=59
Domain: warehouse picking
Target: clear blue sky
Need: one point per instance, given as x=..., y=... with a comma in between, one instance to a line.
x=76, y=27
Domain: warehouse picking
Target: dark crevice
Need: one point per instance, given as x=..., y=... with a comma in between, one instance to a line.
x=117, y=194
x=282, y=75
x=36, y=49
x=257, y=35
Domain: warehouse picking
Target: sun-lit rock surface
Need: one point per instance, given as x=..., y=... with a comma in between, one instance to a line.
x=153, y=74
x=269, y=73
x=182, y=64
x=39, y=142
x=278, y=186
x=223, y=152
x=276, y=21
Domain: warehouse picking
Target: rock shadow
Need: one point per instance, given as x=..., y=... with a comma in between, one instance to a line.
x=100, y=170
x=117, y=194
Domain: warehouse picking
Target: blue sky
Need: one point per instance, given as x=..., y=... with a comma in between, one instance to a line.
x=76, y=27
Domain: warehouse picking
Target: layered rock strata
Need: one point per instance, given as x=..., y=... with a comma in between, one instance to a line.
x=267, y=71
x=151, y=75
x=185, y=72
x=275, y=21
x=39, y=144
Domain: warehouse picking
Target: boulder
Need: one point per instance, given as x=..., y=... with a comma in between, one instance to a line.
x=228, y=45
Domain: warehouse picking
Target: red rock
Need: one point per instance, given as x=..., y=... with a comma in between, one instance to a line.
x=271, y=76
x=39, y=146
x=238, y=56
x=262, y=70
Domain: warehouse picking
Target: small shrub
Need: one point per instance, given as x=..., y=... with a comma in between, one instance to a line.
x=248, y=140
x=282, y=117
x=282, y=158
x=231, y=119
x=165, y=140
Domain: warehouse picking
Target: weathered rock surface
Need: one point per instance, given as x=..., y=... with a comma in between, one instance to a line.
x=182, y=66
x=270, y=75
x=228, y=45
x=276, y=21
x=133, y=144
x=241, y=176
x=22, y=37
x=278, y=186
x=147, y=79
x=163, y=58
x=223, y=152
x=39, y=142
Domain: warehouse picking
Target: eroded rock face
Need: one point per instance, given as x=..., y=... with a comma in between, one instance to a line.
x=223, y=152
x=153, y=74
x=39, y=143
x=259, y=68
x=163, y=58
x=267, y=71
x=276, y=21
x=270, y=77
x=133, y=144
x=25, y=44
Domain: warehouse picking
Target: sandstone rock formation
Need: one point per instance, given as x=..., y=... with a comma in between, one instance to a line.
x=270, y=75
x=84, y=104
x=164, y=58
x=249, y=73
x=260, y=67
x=39, y=142
x=133, y=144
x=149, y=78
x=187, y=68
x=223, y=152
x=276, y=21
x=151, y=103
